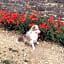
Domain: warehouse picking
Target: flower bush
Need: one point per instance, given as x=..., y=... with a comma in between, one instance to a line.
x=50, y=30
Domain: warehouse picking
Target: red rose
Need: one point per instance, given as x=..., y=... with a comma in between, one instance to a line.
x=28, y=7
x=62, y=23
x=37, y=11
x=34, y=19
x=0, y=23
x=45, y=23
x=51, y=21
x=33, y=12
x=43, y=26
x=60, y=27
x=17, y=22
x=30, y=25
x=38, y=35
x=30, y=17
x=47, y=27
x=51, y=17
x=58, y=19
x=58, y=30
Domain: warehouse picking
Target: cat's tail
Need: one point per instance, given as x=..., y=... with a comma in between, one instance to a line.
x=20, y=39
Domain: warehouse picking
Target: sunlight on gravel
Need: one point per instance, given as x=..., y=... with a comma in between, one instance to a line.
x=19, y=53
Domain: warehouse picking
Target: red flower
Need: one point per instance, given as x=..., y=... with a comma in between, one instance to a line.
x=45, y=23
x=37, y=11
x=62, y=23
x=8, y=21
x=23, y=15
x=33, y=12
x=14, y=15
x=51, y=21
x=56, y=25
x=31, y=25
x=48, y=19
x=4, y=23
x=9, y=12
x=1, y=11
x=60, y=27
x=0, y=23
x=51, y=17
x=34, y=19
x=43, y=26
x=58, y=31
x=17, y=22
x=47, y=27
x=22, y=19
x=38, y=35
x=58, y=19
x=13, y=22
x=30, y=17
x=40, y=26
x=28, y=7
x=8, y=17
x=38, y=15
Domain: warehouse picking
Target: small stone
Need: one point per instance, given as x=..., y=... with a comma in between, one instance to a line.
x=23, y=50
x=46, y=62
x=25, y=63
x=26, y=60
x=52, y=48
x=25, y=54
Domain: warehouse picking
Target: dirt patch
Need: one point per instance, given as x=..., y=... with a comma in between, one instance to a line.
x=19, y=53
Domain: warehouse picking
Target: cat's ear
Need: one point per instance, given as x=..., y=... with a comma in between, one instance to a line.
x=32, y=28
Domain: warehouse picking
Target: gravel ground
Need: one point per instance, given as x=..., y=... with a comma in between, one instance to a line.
x=19, y=53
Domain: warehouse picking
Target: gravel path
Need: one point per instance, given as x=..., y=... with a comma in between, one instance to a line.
x=19, y=53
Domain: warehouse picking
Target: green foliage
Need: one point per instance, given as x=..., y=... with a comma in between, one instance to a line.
x=50, y=30
x=5, y=62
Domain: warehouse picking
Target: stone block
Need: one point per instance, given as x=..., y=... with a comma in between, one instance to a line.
x=57, y=1
x=50, y=8
x=41, y=8
x=5, y=1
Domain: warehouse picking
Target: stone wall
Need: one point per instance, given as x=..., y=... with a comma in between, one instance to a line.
x=46, y=7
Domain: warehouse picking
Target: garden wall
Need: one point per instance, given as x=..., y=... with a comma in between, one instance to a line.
x=46, y=7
